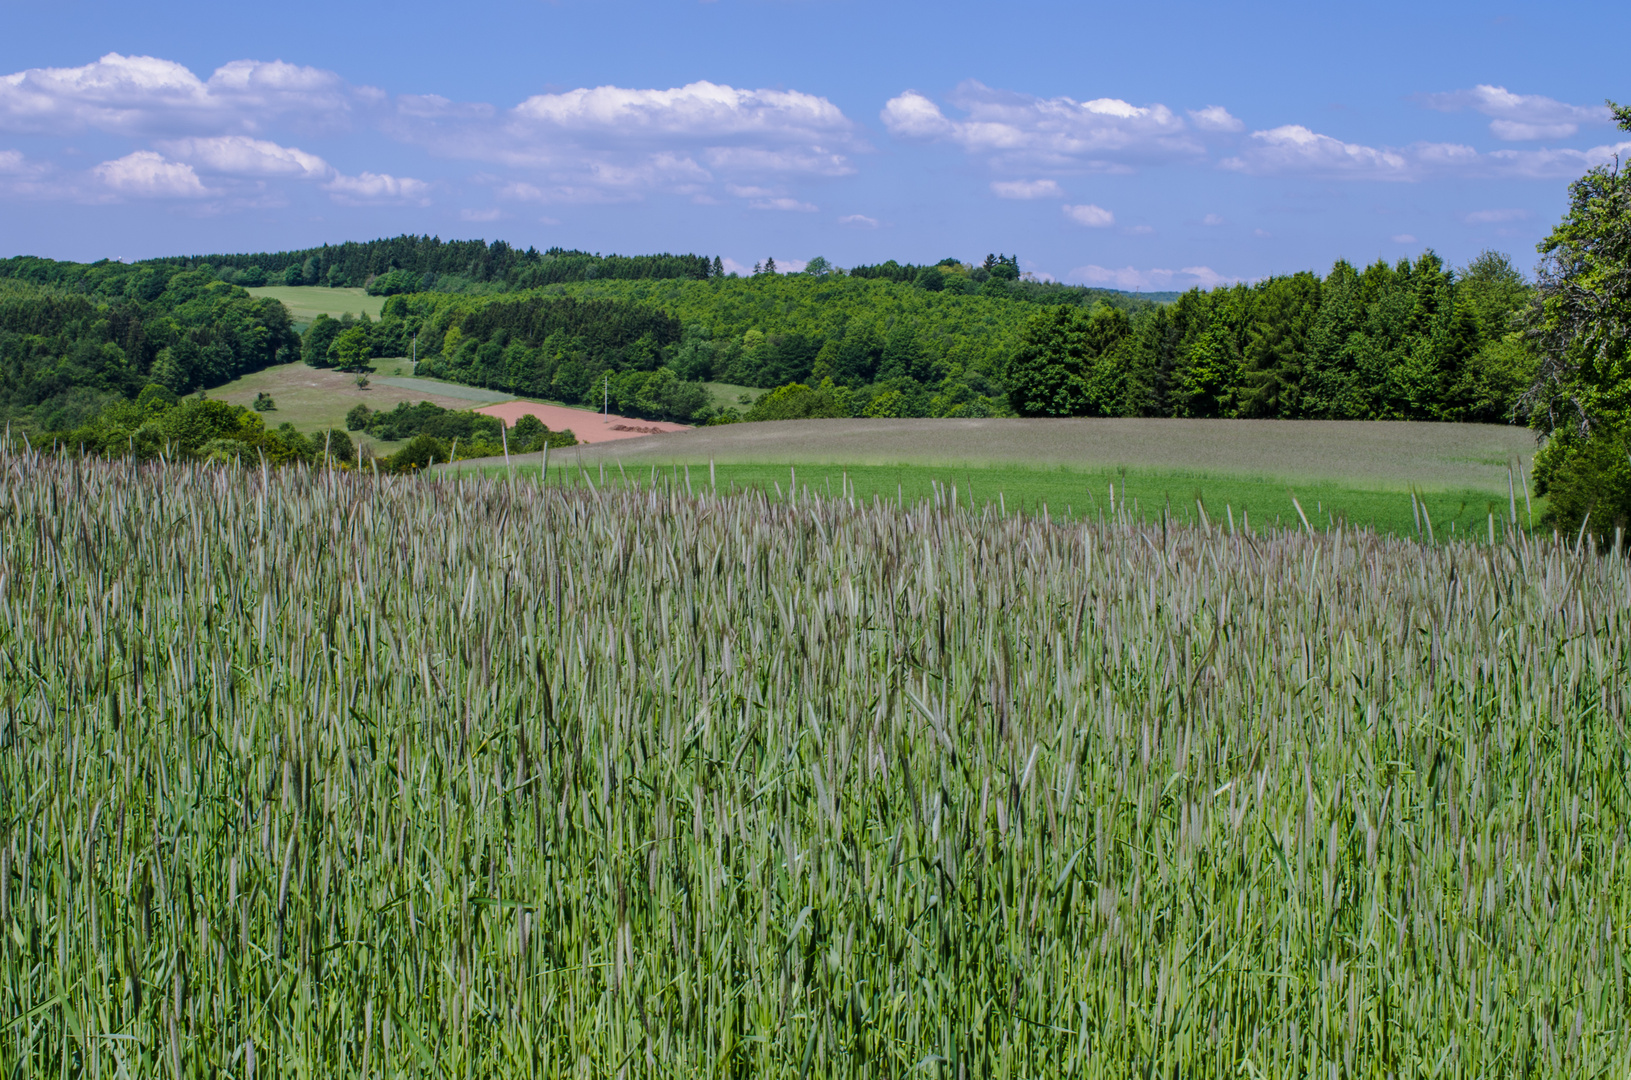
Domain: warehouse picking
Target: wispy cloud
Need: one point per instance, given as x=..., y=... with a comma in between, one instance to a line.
x=1129, y=277
x=1026, y=189
x=1495, y=217
x=1520, y=117
x=1297, y=150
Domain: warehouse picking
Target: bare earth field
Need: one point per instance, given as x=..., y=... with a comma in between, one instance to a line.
x=1378, y=455
x=589, y=427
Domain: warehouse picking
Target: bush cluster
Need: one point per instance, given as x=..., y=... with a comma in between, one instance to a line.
x=158, y=424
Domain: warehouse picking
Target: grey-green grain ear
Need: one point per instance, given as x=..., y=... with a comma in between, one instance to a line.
x=333, y=772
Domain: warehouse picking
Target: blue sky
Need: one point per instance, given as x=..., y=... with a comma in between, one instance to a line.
x=1128, y=145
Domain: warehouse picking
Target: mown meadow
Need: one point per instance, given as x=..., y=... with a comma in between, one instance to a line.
x=317, y=774
x=1150, y=496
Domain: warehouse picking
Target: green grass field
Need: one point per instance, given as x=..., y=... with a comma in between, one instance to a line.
x=1358, y=474
x=729, y=395
x=1072, y=494
x=306, y=302
x=317, y=399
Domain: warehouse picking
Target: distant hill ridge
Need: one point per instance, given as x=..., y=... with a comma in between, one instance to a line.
x=430, y=264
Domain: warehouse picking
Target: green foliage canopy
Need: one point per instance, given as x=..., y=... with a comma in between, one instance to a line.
x=1581, y=323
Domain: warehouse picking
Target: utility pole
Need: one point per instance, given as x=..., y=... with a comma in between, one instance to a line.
x=606, y=398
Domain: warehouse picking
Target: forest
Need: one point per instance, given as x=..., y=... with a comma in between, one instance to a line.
x=1416, y=340
x=1412, y=341
x=430, y=264
x=75, y=340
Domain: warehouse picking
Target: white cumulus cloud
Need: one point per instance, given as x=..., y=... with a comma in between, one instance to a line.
x=1212, y=220
x=1026, y=189
x=623, y=142
x=136, y=95
x=1018, y=131
x=369, y=188
x=915, y=116
x=701, y=110
x=1520, y=117
x=858, y=221
x=1216, y=118
x=240, y=155
x=1094, y=217
x=145, y=174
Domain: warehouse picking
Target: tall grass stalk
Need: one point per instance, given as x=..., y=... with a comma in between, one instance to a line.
x=317, y=774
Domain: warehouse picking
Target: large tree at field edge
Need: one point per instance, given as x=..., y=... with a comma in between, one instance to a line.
x=1070, y=363
x=1047, y=375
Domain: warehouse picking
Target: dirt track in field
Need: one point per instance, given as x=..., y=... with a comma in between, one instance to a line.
x=1383, y=454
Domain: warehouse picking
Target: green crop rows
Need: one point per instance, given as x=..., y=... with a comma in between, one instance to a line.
x=316, y=775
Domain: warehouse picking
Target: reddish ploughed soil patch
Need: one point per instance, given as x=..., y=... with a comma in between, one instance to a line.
x=589, y=427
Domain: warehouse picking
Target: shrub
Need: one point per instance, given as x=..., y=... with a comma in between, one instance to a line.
x=397, y=281
x=285, y=445
x=421, y=452
x=795, y=401
x=337, y=444
x=890, y=403
x=357, y=418
x=264, y=402
x=527, y=433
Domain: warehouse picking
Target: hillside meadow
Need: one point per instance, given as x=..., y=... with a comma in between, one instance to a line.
x=311, y=773
x=305, y=303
